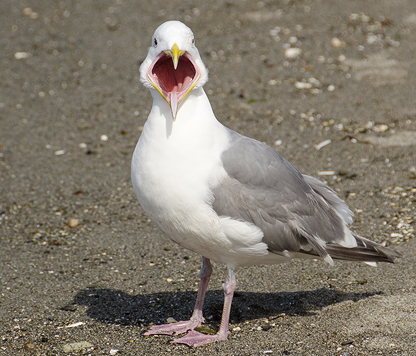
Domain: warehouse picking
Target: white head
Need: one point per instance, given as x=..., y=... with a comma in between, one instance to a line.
x=173, y=65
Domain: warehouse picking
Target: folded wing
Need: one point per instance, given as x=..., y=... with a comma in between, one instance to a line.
x=297, y=213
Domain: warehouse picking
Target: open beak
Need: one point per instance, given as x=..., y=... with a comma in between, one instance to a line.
x=174, y=74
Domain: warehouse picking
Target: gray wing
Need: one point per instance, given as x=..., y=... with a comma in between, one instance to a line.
x=296, y=213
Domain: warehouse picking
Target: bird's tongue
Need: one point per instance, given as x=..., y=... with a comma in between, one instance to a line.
x=174, y=102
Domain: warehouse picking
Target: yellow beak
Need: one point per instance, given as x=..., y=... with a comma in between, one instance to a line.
x=175, y=53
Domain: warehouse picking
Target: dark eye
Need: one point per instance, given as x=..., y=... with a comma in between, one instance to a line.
x=193, y=41
x=155, y=42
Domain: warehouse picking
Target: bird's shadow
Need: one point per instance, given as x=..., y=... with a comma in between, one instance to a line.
x=117, y=307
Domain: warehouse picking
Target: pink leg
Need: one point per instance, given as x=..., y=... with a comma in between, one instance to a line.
x=196, y=319
x=194, y=338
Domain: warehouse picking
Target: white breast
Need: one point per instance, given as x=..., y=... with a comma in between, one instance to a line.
x=173, y=167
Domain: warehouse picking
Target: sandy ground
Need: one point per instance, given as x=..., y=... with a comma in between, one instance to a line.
x=71, y=112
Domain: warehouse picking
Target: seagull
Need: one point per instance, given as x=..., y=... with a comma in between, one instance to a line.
x=227, y=197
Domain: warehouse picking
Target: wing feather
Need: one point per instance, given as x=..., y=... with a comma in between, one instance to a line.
x=295, y=212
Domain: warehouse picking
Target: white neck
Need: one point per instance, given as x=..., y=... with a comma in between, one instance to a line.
x=193, y=115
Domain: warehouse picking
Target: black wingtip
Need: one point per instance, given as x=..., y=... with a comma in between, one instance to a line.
x=365, y=251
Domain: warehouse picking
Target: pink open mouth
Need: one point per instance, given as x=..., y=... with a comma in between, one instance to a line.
x=173, y=84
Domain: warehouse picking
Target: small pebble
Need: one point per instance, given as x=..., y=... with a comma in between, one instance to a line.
x=278, y=142
x=171, y=320
x=365, y=18
x=303, y=85
x=266, y=327
x=113, y=351
x=336, y=42
x=330, y=88
x=82, y=145
x=354, y=17
x=322, y=144
x=69, y=307
x=21, y=55
x=326, y=173
x=316, y=91
x=72, y=223
x=104, y=138
x=380, y=128
x=314, y=81
x=76, y=346
x=293, y=39
x=292, y=52
x=59, y=152
x=30, y=346
x=371, y=39
x=74, y=325
x=395, y=234
x=27, y=11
